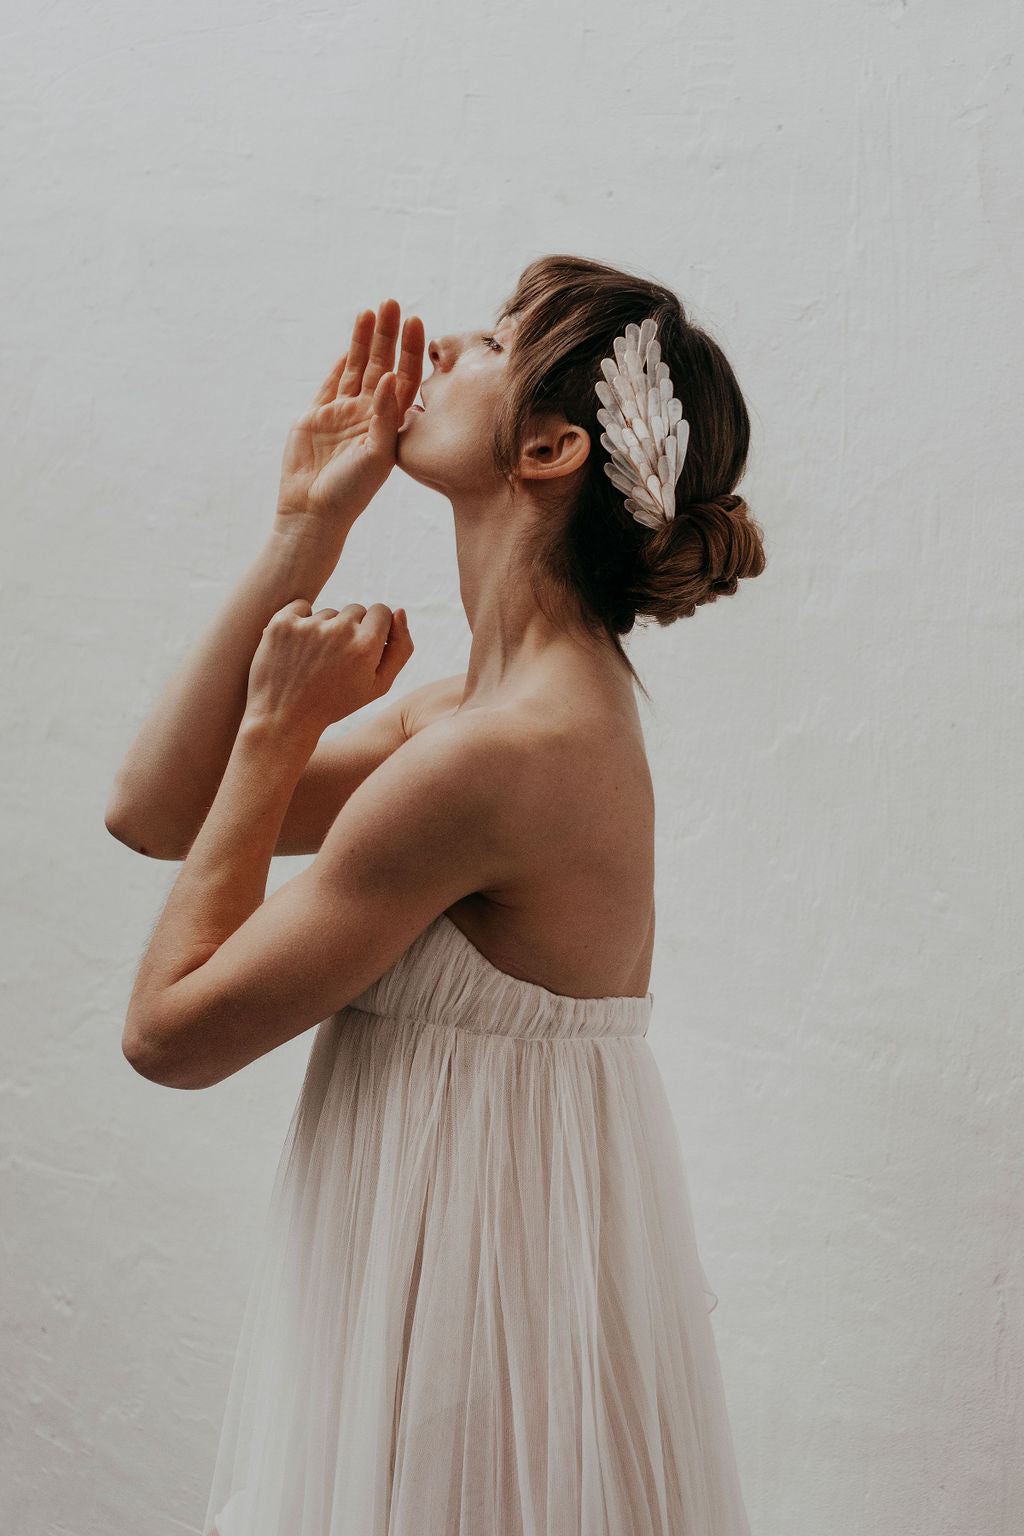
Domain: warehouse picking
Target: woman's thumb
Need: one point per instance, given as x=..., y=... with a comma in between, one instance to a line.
x=384, y=421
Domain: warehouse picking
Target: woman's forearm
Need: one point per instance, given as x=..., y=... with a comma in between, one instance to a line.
x=169, y=776
x=220, y=885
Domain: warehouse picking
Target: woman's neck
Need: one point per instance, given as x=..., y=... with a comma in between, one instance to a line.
x=514, y=640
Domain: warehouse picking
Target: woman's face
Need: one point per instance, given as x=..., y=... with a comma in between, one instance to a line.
x=448, y=444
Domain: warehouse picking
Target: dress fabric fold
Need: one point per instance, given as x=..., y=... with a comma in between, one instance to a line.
x=479, y=1308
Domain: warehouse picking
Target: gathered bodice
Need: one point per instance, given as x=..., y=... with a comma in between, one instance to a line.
x=442, y=979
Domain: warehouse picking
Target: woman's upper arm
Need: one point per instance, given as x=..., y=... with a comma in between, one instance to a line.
x=338, y=767
x=440, y=821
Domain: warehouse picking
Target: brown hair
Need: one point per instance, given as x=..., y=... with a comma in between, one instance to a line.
x=599, y=561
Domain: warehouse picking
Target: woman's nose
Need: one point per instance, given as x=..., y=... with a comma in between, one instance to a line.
x=443, y=350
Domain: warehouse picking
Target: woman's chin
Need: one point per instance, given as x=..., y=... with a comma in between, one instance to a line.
x=405, y=454
x=419, y=466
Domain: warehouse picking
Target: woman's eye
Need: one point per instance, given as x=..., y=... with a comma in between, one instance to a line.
x=497, y=344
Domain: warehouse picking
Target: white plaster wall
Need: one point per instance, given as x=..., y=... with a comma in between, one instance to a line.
x=198, y=197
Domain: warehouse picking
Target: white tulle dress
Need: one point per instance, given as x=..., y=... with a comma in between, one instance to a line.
x=479, y=1309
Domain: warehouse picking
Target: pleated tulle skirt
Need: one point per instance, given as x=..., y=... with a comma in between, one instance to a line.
x=479, y=1306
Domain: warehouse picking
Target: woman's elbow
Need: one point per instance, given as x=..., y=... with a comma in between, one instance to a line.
x=157, y=1064
x=119, y=826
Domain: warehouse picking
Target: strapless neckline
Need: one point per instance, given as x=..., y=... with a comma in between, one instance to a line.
x=444, y=980
x=609, y=997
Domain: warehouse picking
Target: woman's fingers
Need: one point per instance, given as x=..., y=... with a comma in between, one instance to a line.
x=351, y=382
x=409, y=373
x=386, y=633
x=371, y=355
x=382, y=349
x=372, y=352
x=397, y=651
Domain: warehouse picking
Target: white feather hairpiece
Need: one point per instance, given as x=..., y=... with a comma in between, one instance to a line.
x=645, y=434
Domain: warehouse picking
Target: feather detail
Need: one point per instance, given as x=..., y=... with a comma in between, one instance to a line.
x=645, y=434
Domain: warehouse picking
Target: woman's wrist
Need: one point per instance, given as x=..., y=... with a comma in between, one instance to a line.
x=310, y=545
x=275, y=739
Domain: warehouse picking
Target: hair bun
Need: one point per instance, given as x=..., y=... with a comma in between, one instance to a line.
x=697, y=556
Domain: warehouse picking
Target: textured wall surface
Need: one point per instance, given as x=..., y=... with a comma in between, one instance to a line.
x=198, y=198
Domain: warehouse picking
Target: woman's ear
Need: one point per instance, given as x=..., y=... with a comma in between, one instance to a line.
x=553, y=447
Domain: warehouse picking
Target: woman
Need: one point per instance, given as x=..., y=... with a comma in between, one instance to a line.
x=480, y=1307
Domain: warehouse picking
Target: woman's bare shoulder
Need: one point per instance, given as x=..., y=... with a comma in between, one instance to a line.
x=567, y=740
x=431, y=701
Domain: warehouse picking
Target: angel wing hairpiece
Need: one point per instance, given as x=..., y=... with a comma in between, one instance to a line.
x=645, y=434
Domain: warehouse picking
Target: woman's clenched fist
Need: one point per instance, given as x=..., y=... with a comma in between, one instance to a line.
x=311, y=669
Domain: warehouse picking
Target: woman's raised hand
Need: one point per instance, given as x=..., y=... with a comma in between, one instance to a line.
x=341, y=450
